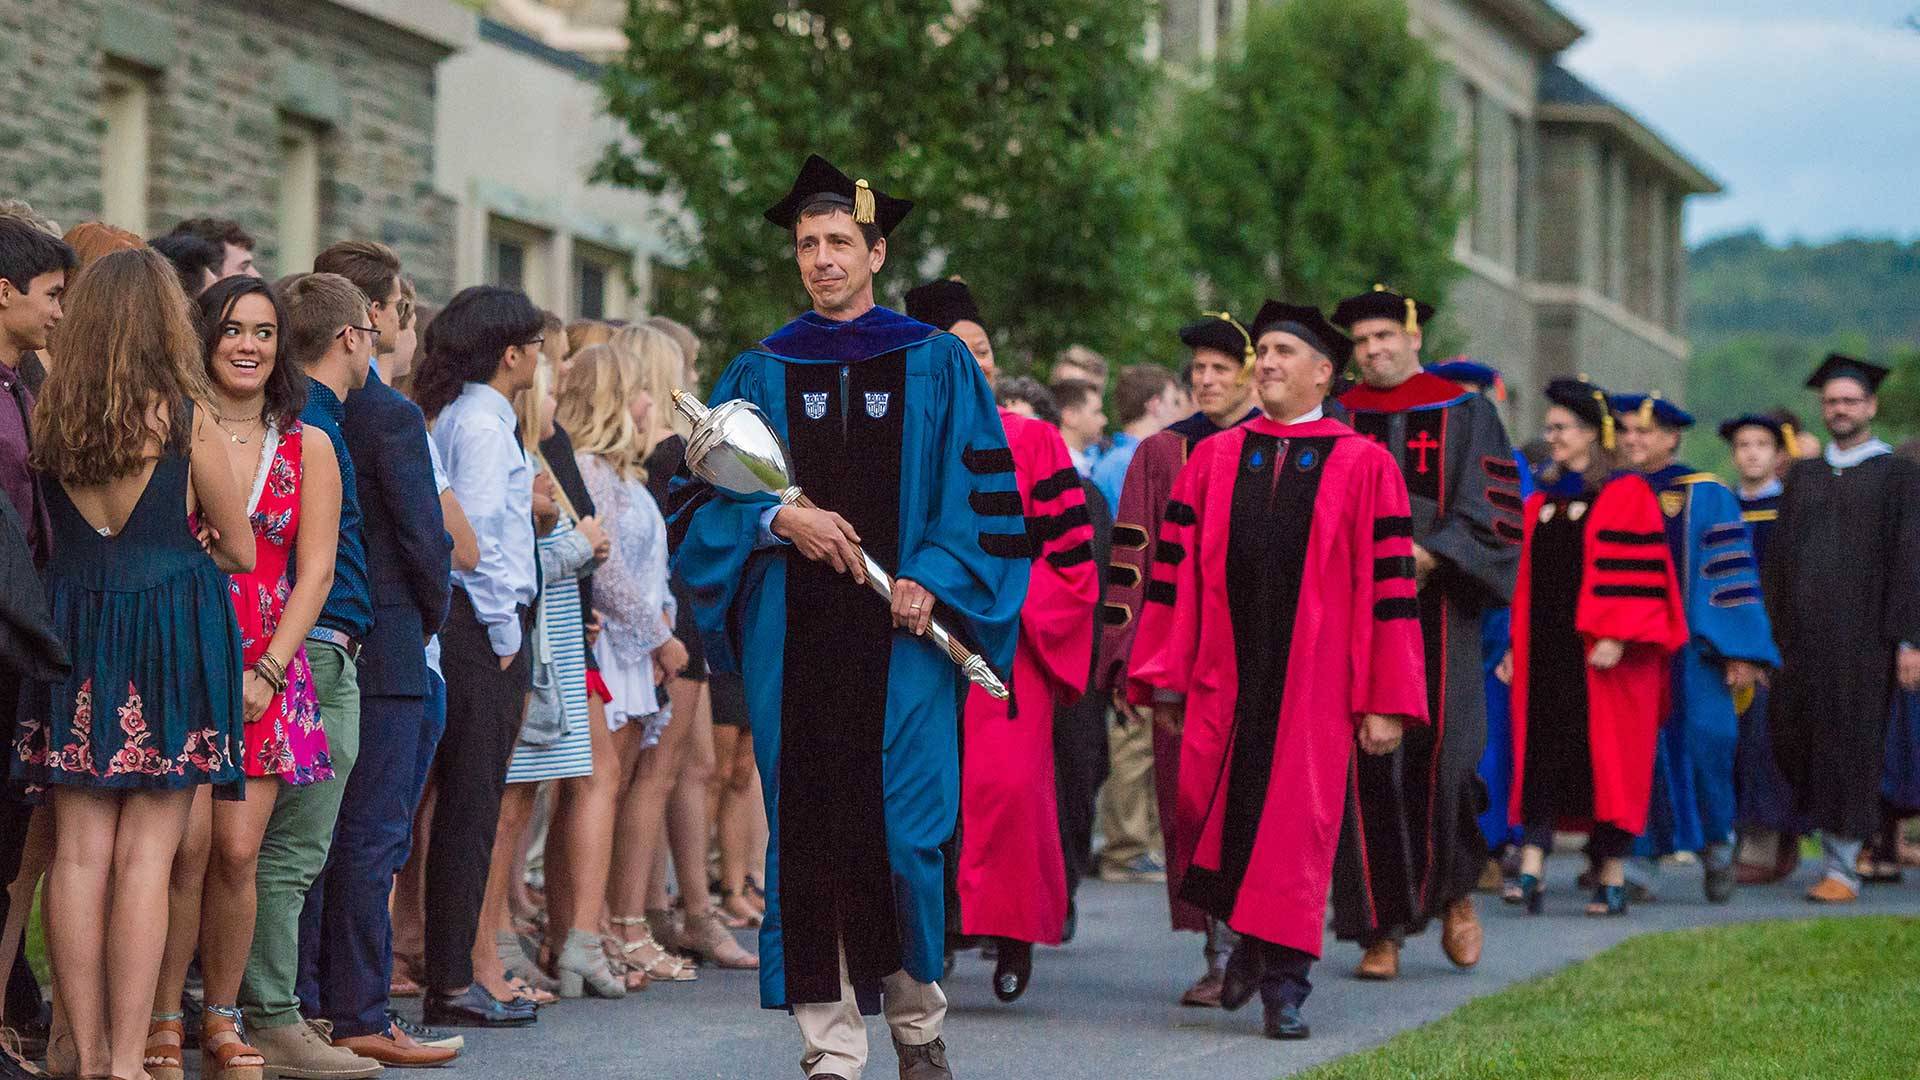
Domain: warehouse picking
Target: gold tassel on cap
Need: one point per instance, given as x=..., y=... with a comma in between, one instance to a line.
x=1791, y=438
x=1413, y=316
x=1646, y=408
x=1246, y=364
x=862, y=202
x=1606, y=420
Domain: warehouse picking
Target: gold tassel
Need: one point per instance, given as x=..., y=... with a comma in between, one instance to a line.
x=1606, y=421
x=862, y=202
x=1246, y=364
x=1646, y=409
x=1413, y=316
x=1791, y=438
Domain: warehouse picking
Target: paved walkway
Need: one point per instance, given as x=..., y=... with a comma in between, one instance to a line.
x=1103, y=1007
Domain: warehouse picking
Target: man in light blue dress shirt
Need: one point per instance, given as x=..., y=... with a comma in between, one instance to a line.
x=481, y=351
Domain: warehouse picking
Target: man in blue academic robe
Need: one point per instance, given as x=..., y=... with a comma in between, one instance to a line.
x=1729, y=644
x=890, y=424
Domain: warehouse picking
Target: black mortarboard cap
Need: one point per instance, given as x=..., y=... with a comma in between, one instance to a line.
x=942, y=303
x=1841, y=366
x=1586, y=401
x=1221, y=332
x=1382, y=303
x=819, y=181
x=1772, y=425
x=1307, y=324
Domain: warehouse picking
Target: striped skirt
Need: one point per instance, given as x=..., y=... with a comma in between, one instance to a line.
x=558, y=619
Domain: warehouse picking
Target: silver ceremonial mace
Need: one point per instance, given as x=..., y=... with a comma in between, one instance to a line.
x=734, y=448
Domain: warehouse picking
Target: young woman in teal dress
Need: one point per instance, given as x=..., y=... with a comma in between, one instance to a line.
x=152, y=708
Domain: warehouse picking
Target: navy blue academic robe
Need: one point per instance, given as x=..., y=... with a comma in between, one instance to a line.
x=890, y=424
x=1693, y=787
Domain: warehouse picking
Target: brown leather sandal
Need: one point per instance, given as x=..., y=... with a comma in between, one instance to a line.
x=163, y=1059
x=224, y=1053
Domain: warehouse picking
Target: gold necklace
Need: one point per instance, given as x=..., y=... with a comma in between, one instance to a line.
x=224, y=421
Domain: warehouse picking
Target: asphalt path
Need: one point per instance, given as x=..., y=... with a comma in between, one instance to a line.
x=1104, y=1007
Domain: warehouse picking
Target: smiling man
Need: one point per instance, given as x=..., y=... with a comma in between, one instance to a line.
x=1145, y=760
x=1280, y=628
x=1842, y=581
x=892, y=424
x=1422, y=852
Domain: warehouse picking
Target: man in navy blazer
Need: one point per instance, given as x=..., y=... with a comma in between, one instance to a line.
x=346, y=947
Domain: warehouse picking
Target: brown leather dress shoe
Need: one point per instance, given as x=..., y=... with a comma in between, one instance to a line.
x=398, y=1049
x=1381, y=963
x=1831, y=890
x=1204, y=993
x=1460, y=933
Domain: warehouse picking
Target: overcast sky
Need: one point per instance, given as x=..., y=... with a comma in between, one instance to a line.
x=1807, y=111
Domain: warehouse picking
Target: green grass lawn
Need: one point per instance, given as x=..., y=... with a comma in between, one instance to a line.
x=1827, y=999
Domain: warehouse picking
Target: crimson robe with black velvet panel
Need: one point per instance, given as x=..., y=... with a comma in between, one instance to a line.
x=1615, y=541
x=1412, y=844
x=1151, y=475
x=1281, y=610
x=1012, y=875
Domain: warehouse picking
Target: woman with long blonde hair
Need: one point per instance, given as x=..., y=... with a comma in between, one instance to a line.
x=724, y=774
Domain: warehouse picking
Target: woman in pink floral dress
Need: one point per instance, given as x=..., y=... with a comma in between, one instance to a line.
x=293, y=492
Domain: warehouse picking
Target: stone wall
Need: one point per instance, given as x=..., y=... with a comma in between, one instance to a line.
x=227, y=78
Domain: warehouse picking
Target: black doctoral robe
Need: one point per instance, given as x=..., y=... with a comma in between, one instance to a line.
x=1411, y=844
x=1842, y=581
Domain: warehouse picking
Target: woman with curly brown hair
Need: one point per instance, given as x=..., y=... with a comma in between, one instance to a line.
x=152, y=708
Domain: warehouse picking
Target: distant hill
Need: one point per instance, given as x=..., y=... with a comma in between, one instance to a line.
x=1858, y=290
x=1761, y=317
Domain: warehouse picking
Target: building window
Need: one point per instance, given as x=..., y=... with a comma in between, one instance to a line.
x=517, y=258
x=509, y=263
x=591, y=287
x=299, y=210
x=1613, y=232
x=601, y=288
x=1469, y=126
x=126, y=106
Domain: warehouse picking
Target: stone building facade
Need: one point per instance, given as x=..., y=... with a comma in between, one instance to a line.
x=1573, y=243
x=304, y=120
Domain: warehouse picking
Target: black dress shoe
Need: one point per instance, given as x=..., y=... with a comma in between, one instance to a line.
x=1242, y=977
x=474, y=1007
x=1072, y=924
x=1284, y=1022
x=1012, y=969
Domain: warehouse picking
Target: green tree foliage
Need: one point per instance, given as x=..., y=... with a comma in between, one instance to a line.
x=1319, y=158
x=1010, y=123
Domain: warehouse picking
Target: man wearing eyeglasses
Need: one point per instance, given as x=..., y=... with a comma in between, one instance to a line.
x=1842, y=578
x=346, y=957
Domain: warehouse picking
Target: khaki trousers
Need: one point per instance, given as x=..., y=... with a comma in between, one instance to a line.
x=836, y=1034
x=1129, y=816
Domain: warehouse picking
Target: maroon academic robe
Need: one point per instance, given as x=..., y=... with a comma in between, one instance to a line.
x=1143, y=502
x=1012, y=877
x=1625, y=590
x=1282, y=610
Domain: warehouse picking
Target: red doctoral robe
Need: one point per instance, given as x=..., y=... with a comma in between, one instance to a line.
x=1281, y=609
x=1627, y=592
x=1012, y=877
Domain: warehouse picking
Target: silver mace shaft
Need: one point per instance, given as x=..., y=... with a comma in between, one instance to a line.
x=704, y=439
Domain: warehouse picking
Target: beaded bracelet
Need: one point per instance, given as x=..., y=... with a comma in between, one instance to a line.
x=269, y=668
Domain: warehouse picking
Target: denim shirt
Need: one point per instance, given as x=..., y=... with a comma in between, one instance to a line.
x=349, y=607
